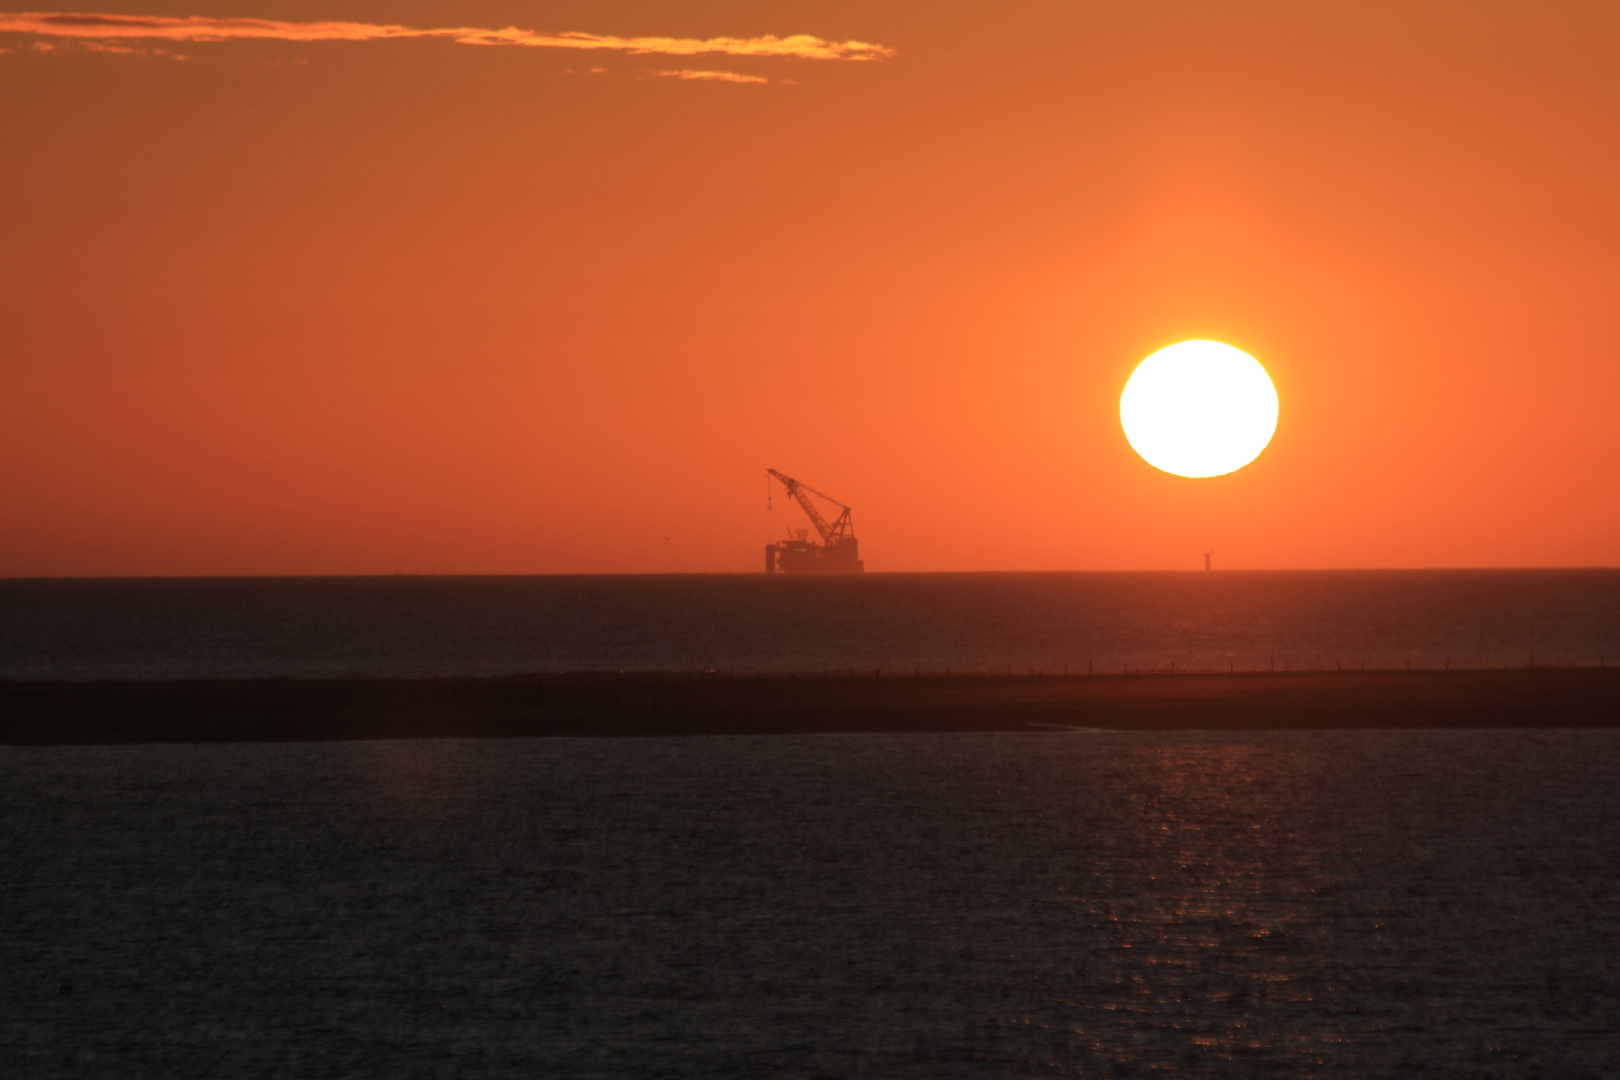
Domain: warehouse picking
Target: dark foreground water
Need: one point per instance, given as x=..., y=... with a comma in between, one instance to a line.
x=1337, y=904
x=316, y=627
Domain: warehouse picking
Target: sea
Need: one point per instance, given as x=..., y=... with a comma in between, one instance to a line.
x=1288, y=904
x=442, y=626
x=1367, y=903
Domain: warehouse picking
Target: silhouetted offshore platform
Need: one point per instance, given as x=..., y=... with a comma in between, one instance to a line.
x=838, y=552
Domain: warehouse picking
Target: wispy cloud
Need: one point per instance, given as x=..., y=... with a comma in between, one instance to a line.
x=716, y=76
x=124, y=50
x=199, y=28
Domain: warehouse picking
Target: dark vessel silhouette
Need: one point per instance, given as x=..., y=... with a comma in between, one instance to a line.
x=838, y=552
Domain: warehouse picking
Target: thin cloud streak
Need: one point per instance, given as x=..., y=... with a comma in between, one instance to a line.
x=715, y=76
x=198, y=28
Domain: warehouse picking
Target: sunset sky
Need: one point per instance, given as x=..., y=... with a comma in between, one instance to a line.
x=333, y=288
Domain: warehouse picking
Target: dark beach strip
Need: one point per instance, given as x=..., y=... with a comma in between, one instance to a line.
x=710, y=703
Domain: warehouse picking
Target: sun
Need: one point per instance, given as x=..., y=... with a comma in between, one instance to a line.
x=1199, y=409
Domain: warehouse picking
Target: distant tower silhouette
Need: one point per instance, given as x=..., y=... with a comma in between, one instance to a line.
x=1208, y=555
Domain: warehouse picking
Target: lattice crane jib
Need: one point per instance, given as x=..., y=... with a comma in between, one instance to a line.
x=841, y=528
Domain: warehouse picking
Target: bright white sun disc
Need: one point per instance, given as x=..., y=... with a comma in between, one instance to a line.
x=1199, y=408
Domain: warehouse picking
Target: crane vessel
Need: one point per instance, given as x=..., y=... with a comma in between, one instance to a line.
x=838, y=552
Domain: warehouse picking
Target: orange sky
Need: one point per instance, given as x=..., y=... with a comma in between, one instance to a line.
x=413, y=304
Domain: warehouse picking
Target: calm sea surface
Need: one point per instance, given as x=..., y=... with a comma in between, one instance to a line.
x=462, y=626
x=1320, y=904
x=1299, y=904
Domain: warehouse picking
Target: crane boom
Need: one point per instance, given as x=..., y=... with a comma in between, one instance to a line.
x=841, y=528
x=838, y=553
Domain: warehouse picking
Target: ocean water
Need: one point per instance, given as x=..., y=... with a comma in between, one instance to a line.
x=1289, y=904
x=321, y=627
